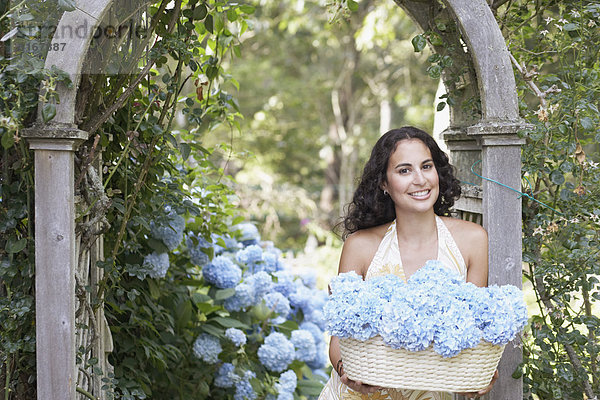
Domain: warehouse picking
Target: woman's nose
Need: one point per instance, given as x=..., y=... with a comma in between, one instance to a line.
x=418, y=177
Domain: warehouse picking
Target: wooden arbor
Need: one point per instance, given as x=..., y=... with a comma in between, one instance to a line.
x=481, y=70
x=67, y=323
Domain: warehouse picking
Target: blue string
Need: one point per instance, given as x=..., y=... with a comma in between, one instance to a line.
x=521, y=194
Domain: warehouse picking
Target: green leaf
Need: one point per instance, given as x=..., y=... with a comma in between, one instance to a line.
x=48, y=111
x=587, y=123
x=419, y=42
x=247, y=9
x=224, y=294
x=184, y=314
x=518, y=373
x=213, y=330
x=441, y=106
x=7, y=140
x=352, y=5
x=185, y=150
x=200, y=12
x=67, y=5
x=232, y=15
x=570, y=27
x=154, y=290
x=230, y=322
x=557, y=177
x=15, y=246
x=208, y=23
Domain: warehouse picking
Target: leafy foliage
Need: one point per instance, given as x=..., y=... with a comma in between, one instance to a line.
x=557, y=49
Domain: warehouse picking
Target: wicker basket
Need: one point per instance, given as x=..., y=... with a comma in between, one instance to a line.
x=375, y=363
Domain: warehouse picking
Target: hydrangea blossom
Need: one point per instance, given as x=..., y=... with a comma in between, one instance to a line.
x=207, y=348
x=230, y=244
x=279, y=304
x=304, y=342
x=434, y=307
x=287, y=384
x=196, y=253
x=276, y=353
x=226, y=376
x=271, y=261
x=237, y=336
x=170, y=231
x=249, y=234
x=285, y=283
x=222, y=273
x=242, y=299
x=250, y=254
x=313, y=329
x=155, y=266
x=243, y=388
x=321, y=359
x=262, y=284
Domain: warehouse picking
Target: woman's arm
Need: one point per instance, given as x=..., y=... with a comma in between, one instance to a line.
x=357, y=253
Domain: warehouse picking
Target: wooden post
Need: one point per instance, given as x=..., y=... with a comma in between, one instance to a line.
x=55, y=259
x=501, y=161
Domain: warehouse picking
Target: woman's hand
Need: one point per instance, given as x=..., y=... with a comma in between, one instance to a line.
x=358, y=386
x=472, y=395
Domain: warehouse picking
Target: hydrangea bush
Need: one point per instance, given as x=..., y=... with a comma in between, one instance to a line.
x=434, y=307
x=256, y=329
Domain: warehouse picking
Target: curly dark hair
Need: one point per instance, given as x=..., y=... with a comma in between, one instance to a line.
x=371, y=207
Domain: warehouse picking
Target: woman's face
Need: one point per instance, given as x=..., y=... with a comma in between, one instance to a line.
x=411, y=178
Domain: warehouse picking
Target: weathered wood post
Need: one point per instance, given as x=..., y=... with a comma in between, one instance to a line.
x=55, y=258
x=501, y=161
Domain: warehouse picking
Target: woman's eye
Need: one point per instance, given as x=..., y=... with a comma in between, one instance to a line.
x=403, y=171
x=427, y=166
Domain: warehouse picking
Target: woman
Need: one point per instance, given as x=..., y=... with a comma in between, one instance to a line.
x=395, y=223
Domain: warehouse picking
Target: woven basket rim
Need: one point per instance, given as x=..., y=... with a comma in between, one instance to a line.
x=375, y=363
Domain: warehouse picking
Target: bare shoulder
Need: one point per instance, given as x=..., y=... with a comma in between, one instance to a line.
x=360, y=248
x=466, y=232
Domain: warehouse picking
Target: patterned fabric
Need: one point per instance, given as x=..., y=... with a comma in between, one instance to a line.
x=387, y=260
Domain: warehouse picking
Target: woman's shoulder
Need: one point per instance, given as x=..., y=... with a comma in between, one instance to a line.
x=465, y=231
x=360, y=248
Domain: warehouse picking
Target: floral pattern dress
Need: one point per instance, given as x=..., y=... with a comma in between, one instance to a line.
x=387, y=260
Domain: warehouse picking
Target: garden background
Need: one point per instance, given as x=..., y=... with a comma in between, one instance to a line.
x=261, y=115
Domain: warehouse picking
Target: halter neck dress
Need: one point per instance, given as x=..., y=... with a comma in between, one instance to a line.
x=387, y=260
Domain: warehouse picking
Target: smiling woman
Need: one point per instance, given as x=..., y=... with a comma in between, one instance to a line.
x=398, y=220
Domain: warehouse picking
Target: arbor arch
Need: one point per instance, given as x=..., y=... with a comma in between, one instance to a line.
x=481, y=70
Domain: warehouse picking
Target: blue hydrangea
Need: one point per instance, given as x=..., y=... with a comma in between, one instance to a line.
x=230, y=244
x=248, y=233
x=242, y=299
x=169, y=229
x=261, y=282
x=250, y=254
x=279, y=304
x=287, y=382
x=276, y=353
x=237, y=336
x=271, y=261
x=207, y=348
x=285, y=283
x=434, y=307
x=285, y=396
x=197, y=255
x=155, y=266
x=322, y=357
x=226, y=376
x=304, y=342
x=222, y=273
x=313, y=329
x=243, y=388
